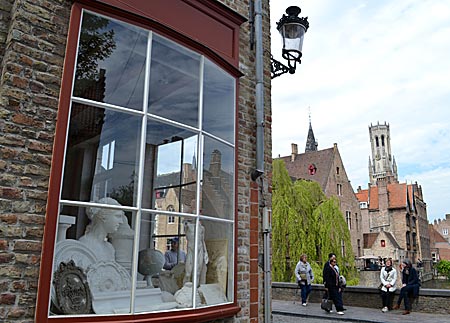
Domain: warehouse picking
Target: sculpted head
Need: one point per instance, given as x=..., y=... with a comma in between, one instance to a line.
x=108, y=219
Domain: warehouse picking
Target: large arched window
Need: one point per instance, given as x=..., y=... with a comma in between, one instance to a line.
x=151, y=124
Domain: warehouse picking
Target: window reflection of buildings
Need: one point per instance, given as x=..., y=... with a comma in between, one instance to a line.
x=215, y=197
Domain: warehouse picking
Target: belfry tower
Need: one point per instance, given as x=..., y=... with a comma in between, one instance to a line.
x=382, y=164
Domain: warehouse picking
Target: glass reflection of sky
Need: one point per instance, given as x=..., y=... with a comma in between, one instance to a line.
x=125, y=67
x=168, y=139
x=218, y=103
x=174, y=82
x=169, y=155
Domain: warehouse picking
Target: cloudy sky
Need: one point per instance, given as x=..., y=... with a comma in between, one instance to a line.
x=366, y=62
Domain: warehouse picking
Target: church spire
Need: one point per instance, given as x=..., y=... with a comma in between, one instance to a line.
x=311, y=143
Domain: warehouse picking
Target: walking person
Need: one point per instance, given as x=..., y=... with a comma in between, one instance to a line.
x=410, y=286
x=388, y=277
x=305, y=276
x=331, y=280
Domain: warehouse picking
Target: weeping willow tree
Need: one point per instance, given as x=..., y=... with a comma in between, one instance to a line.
x=304, y=220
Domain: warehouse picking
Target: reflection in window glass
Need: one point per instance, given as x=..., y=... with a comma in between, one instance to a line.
x=114, y=183
x=111, y=62
x=174, y=82
x=218, y=96
x=218, y=179
x=101, y=155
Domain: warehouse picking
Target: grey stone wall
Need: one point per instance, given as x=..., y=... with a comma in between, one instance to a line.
x=429, y=300
x=32, y=50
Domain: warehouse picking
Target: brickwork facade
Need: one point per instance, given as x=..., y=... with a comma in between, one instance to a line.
x=32, y=51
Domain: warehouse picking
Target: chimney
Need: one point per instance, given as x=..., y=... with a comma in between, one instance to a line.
x=359, y=188
x=294, y=151
x=447, y=217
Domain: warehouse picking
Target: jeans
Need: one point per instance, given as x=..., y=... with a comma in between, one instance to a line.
x=404, y=295
x=305, y=290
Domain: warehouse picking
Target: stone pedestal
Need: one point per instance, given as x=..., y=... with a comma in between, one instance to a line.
x=65, y=222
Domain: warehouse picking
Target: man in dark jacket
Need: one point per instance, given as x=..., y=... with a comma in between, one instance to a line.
x=410, y=286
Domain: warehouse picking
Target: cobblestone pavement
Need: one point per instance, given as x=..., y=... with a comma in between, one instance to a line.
x=295, y=319
x=288, y=312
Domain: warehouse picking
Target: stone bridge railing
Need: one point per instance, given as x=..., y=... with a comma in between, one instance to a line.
x=429, y=301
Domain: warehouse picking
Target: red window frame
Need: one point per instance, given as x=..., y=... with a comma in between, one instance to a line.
x=153, y=15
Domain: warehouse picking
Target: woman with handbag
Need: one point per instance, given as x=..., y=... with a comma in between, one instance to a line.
x=388, y=277
x=332, y=287
x=305, y=276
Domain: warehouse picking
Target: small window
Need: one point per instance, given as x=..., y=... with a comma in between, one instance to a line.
x=348, y=219
x=382, y=140
x=337, y=170
x=445, y=232
x=376, y=142
x=339, y=189
x=383, y=243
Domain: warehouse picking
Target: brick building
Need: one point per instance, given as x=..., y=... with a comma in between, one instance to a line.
x=388, y=206
x=443, y=227
x=440, y=247
x=327, y=168
x=99, y=100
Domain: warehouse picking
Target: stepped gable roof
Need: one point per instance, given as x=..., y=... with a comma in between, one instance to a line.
x=321, y=159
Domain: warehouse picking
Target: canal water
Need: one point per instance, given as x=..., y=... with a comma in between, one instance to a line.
x=437, y=284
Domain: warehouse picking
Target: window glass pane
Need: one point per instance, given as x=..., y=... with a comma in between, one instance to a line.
x=218, y=102
x=218, y=179
x=174, y=82
x=162, y=264
x=101, y=155
x=170, y=166
x=218, y=286
x=111, y=62
x=93, y=260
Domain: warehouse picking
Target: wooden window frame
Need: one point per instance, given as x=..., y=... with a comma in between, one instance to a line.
x=228, y=58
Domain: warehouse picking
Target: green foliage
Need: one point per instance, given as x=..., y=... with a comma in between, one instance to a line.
x=443, y=268
x=304, y=220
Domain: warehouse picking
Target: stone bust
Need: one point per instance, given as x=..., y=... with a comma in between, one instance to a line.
x=103, y=222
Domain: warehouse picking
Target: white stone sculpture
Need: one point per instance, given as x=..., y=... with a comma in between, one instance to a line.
x=109, y=281
x=122, y=241
x=202, y=253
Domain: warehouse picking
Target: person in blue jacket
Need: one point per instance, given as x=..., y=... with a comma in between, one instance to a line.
x=410, y=286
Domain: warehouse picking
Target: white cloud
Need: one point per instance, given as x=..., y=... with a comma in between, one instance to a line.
x=370, y=61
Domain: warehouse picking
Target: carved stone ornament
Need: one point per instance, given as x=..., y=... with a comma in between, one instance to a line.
x=72, y=289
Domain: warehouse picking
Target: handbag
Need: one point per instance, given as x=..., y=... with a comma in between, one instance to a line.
x=326, y=304
x=303, y=276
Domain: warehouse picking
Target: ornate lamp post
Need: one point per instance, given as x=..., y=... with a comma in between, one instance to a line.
x=292, y=29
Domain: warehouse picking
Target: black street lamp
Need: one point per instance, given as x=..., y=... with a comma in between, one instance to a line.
x=292, y=29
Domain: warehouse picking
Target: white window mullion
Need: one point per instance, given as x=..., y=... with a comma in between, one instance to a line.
x=199, y=179
x=137, y=226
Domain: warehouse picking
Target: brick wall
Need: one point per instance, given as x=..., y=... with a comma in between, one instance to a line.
x=32, y=45
x=32, y=48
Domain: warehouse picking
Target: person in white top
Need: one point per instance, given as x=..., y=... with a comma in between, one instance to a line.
x=388, y=277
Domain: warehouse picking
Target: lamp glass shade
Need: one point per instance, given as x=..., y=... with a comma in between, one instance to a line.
x=292, y=34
